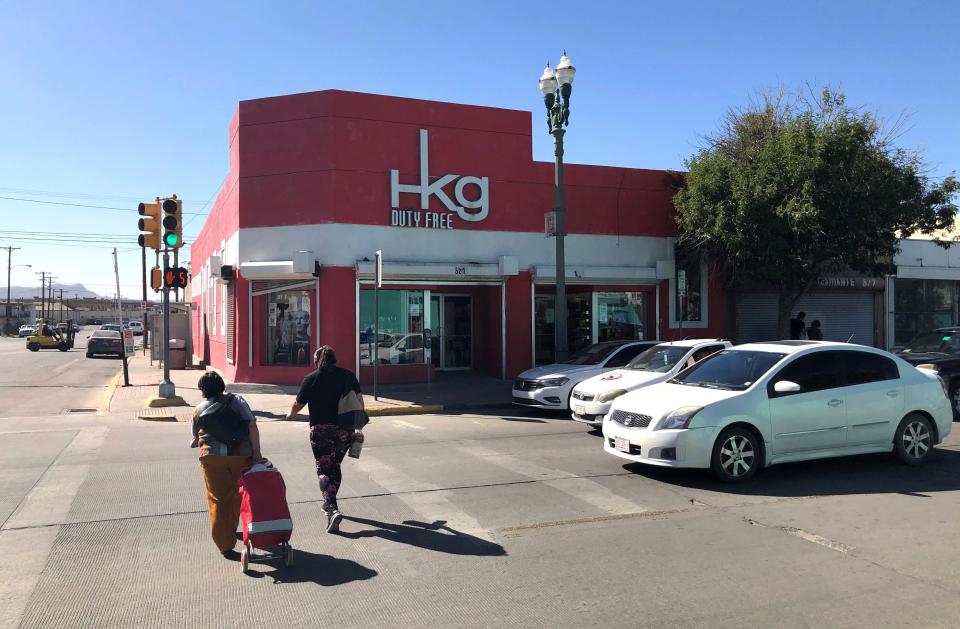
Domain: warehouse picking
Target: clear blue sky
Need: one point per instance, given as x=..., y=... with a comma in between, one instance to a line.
x=108, y=103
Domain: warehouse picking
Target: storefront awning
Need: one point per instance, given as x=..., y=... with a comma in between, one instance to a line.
x=274, y=270
x=444, y=271
x=598, y=274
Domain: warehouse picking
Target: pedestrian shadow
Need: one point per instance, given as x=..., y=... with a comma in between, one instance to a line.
x=269, y=415
x=436, y=536
x=310, y=567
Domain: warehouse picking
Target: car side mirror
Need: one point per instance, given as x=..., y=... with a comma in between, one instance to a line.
x=785, y=386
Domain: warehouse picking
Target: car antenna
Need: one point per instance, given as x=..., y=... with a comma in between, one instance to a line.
x=850, y=337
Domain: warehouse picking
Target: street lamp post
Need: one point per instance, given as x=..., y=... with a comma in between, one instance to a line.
x=556, y=87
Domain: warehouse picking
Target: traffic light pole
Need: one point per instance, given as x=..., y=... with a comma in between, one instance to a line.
x=167, y=388
x=146, y=332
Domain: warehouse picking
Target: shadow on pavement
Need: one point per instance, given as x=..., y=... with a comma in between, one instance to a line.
x=269, y=415
x=864, y=474
x=436, y=536
x=313, y=568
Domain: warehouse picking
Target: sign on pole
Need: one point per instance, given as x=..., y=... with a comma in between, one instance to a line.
x=128, y=341
x=681, y=281
x=549, y=224
x=378, y=277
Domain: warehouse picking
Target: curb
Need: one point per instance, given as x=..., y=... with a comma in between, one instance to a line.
x=408, y=409
x=107, y=396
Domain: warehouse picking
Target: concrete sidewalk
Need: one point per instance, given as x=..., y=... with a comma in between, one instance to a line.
x=457, y=391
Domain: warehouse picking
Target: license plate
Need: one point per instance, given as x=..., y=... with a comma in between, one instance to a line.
x=621, y=444
x=578, y=409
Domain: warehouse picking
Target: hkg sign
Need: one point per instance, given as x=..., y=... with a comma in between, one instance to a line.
x=472, y=210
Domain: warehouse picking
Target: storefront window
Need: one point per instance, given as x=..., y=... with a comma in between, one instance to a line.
x=399, y=339
x=579, y=324
x=621, y=316
x=288, y=328
x=689, y=305
x=921, y=306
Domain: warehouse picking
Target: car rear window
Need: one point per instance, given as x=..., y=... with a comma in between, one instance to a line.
x=105, y=334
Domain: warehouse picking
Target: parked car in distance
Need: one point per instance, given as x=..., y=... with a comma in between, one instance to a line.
x=105, y=342
x=940, y=349
x=550, y=386
x=26, y=330
x=592, y=398
x=136, y=327
x=760, y=404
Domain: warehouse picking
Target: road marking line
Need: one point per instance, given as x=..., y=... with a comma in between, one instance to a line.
x=25, y=555
x=427, y=500
x=404, y=424
x=583, y=489
x=59, y=370
x=807, y=536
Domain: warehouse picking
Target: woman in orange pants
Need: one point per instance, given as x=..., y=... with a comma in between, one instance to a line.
x=234, y=446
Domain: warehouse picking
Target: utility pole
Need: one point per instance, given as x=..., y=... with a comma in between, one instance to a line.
x=123, y=344
x=6, y=320
x=61, y=304
x=50, y=299
x=43, y=290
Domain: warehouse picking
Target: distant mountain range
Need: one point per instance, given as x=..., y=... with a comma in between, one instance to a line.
x=70, y=291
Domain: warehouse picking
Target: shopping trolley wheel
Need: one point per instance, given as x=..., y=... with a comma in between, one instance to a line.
x=245, y=558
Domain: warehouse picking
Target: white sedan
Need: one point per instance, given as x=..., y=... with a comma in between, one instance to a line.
x=549, y=386
x=760, y=404
x=592, y=398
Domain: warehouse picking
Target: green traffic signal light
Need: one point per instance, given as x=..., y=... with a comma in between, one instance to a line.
x=170, y=239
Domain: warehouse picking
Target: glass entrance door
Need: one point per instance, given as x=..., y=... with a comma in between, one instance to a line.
x=452, y=344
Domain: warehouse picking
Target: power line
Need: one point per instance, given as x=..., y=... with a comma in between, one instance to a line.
x=75, y=195
x=84, y=205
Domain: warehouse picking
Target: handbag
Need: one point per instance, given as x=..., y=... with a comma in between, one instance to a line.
x=350, y=413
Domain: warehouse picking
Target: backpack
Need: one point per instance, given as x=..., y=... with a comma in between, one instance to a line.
x=225, y=424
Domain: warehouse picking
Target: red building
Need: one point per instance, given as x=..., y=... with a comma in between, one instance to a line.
x=450, y=193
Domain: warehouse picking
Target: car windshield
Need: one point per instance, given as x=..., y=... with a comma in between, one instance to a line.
x=732, y=370
x=593, y=355
x=659, y=358
x=945, y=342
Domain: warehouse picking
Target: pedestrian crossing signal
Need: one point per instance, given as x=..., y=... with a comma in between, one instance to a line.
x=156, y=279
x=176, y=277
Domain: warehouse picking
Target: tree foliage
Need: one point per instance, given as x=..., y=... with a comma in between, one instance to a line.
x=792, y=188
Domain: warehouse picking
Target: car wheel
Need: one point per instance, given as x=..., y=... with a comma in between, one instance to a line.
x=913, y=440
x=33, y=347
x=736, y=455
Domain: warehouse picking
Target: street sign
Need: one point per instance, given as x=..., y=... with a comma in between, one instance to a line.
x=378, y=278
x=128, y=341
x=549, y=224
x=681, y=281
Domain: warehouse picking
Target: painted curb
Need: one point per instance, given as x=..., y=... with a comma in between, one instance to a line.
x=157, y=418
x=155, y=401
x=409, y=409
x=107, y=396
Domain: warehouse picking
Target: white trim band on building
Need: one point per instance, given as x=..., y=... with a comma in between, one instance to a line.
x=598, y=274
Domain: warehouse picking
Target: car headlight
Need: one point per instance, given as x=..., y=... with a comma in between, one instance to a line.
x=678, y=419
x=610, y=395
x=553, y=382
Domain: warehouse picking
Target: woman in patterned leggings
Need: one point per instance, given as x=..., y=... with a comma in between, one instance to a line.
x=321, y=391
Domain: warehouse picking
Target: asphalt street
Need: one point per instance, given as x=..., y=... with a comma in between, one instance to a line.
x=508, y=520
x=50, y=381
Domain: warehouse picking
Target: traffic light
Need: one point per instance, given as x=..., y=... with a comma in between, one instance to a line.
x=156, y=279
x=172, y=222
x=150, y=224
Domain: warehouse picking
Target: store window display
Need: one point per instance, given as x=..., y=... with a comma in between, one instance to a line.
x=288, y=328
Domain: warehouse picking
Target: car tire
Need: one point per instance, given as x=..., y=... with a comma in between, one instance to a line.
x=89, y=355
x=913, y=440
x=736, y=455
x=33, y=347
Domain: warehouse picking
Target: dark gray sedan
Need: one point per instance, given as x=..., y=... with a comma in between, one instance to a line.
x=105, y=342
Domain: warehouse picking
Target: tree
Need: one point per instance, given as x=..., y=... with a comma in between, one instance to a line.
x=793, y=188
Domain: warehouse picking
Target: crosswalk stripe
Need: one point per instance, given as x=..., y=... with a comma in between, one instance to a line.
x=583, y=489
x=426, y=499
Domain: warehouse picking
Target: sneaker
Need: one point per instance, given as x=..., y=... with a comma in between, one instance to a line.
x=333, y=521
x=231, y=554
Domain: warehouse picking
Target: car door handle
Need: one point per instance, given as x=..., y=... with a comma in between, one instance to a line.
x=893, y=393
x=834, y=402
